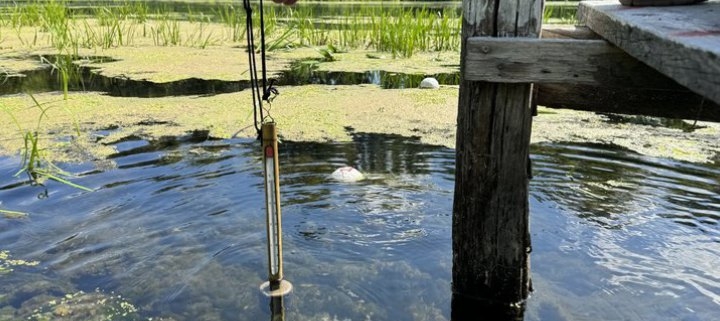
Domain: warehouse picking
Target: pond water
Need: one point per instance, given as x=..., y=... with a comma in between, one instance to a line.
x=84, y=78
x=177, y=229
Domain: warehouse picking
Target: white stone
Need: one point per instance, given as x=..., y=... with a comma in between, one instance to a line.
x=429, y=83
x=347, y=174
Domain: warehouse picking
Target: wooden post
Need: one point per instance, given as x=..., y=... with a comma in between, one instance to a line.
x=491, y=239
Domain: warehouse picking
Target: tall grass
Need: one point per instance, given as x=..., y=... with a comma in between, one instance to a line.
x=394, y=29
x=116, y=34
x=397, y=30
x=166, y=32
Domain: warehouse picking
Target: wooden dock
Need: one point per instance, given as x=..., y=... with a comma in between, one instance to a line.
x=656, y=61
x=682, y=42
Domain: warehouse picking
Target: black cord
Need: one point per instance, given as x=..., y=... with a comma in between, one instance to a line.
x=252, y=65
x=268, y=90
x=262, y=49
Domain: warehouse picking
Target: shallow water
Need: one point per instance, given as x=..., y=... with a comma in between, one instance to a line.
x=178, y=230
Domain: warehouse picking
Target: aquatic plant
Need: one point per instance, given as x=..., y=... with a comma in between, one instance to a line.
x=106, y=36
x=387, y=28
x=66, y=70
x=34, y=163
x=166, y=32
x=12, y=214
x=93, y=306
x=199, y=39
x=390, y=29
x=284, y=41
x=7, y=264
x=55, y=20
x=328, y=53
x=229, y=16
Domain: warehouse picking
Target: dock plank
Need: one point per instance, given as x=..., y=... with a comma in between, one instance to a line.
x=682, y=42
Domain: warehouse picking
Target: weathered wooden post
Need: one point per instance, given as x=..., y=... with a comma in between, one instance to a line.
x=491, y=239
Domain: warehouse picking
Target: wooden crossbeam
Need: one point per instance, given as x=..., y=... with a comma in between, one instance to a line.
x=581, y=74
x=682, y=42
x=560, y=61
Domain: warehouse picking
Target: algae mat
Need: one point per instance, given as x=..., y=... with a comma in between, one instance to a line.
x=317, y=113
x=312, y=113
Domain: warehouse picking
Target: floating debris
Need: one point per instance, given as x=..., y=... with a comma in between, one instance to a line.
x=6, y=264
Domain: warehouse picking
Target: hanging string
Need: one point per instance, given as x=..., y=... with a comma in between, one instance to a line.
x=268, y=90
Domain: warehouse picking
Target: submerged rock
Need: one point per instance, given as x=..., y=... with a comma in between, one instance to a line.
x=347, y=174
x=429, y=83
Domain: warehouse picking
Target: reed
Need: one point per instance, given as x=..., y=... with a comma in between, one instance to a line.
x=384, y=28
x=199, y=38
x=67, y=72
x=228, y=15
x=166, y=32
x=390, y=29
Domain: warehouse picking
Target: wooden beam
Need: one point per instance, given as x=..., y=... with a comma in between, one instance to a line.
x=633, y=101
x=568, y=32
x=682, y=42
x=491, y=239
x=591, y=75
x=559, y=61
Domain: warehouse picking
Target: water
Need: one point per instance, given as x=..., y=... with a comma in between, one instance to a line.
x=85, y=78
x=305, y=72
x=178, y=230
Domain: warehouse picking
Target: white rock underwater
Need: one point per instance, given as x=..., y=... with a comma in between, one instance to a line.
x=347, y=174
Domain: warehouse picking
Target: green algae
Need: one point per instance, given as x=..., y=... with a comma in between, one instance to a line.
x=647, y=139
x=86, y=306
x=307, y=113
x=7, y=264
x=322, y=113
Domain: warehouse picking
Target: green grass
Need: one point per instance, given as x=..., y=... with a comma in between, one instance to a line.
x=388, y=28
x=385, y=28
x=560, y=13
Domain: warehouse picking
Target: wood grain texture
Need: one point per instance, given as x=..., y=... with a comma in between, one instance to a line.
x=682, y=42
x=568, y=32
x=560, y=61
x=491, y=237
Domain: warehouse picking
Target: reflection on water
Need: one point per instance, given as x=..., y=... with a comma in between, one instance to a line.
x=639, y=235
x=84, y=78
x=178, y=229
x=306, y=72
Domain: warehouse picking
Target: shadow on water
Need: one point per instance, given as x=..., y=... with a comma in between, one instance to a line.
x=85, y=78
x=177, y=228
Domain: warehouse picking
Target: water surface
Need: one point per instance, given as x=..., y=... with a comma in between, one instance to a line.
x=178, y=230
